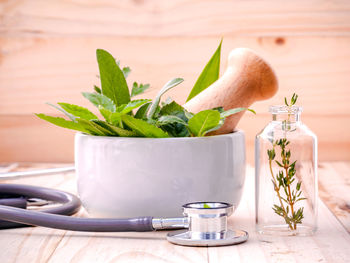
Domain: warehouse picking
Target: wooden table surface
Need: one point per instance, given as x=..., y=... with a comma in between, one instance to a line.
x=331, y=243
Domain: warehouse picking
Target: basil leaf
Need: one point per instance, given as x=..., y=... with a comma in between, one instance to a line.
x=227, y=113
x=61, y=122
x=209, y=74
x=170, y=84
x=138, y=88
x=78, y=111
x=143, y=128
x=113, y=82
x=100, y=100
x=203, y=121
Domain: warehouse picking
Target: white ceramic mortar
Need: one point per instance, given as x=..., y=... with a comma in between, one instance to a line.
x=127, y=177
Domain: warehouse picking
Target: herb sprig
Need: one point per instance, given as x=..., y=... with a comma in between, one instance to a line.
x=125, y=117
x=285, y=177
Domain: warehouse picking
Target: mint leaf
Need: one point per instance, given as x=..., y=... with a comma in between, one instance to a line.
x=203, y=121
x=209, y=74
x=170, y=84
x=61, y=122
x=138, y=88
x=100, y=100
x=78, y=111
x=143, y=128
x=113, y=82
x=132, y=105
x=227, y=113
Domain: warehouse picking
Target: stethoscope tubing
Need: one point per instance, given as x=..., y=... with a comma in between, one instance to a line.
x=58, y=217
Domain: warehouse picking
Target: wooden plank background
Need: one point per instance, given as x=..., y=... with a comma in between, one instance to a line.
x=47, y=54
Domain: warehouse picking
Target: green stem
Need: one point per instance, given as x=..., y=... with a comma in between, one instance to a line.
x=289, y=198
x=279, y=196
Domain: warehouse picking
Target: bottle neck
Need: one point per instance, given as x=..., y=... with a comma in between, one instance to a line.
x=285, y=117
x=286, y=114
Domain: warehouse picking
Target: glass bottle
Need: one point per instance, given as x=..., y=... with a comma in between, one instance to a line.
x=286, y=175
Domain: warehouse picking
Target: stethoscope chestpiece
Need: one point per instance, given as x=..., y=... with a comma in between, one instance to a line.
x=207, y=226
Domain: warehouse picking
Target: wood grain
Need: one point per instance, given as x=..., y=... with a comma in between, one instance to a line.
x=47, y=54
x=334, y=186
x=329, y=244
x=38, y=70
x=159, y=18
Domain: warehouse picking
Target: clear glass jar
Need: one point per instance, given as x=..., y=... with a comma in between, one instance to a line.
x=286, y=175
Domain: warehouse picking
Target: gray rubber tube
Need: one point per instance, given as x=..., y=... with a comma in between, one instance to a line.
x=71, y=204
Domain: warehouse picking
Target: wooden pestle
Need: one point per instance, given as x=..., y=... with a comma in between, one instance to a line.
x=248, y=78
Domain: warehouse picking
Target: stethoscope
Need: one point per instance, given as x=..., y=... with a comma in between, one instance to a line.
x=205, y=223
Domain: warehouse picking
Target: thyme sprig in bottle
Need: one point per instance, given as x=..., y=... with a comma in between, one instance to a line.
x=286, y=174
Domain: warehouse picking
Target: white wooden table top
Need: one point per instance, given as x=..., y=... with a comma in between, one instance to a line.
x=331, y=243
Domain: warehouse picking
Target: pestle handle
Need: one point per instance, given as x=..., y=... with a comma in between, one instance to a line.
x=248, y=78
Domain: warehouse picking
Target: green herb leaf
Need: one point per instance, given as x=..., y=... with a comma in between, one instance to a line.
x=203, y=121
x=170, y=119
x=78, y=111
x=143, y=128
x=61, y=122
x=126, y=71
x=113, y=82
x=70, y=116
x=132, y=105
x=100, y=100
x=138, y=88
x=105, y=113
x=209, y=74
x=116, y=120
x=142, y=111
x=227, y=113
x=205, y=205
x=221, y=123
x=170, y=108
x=170, y=84
x=116, y=130
x=113, y=118
x=93, y=128
x=97, y=89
